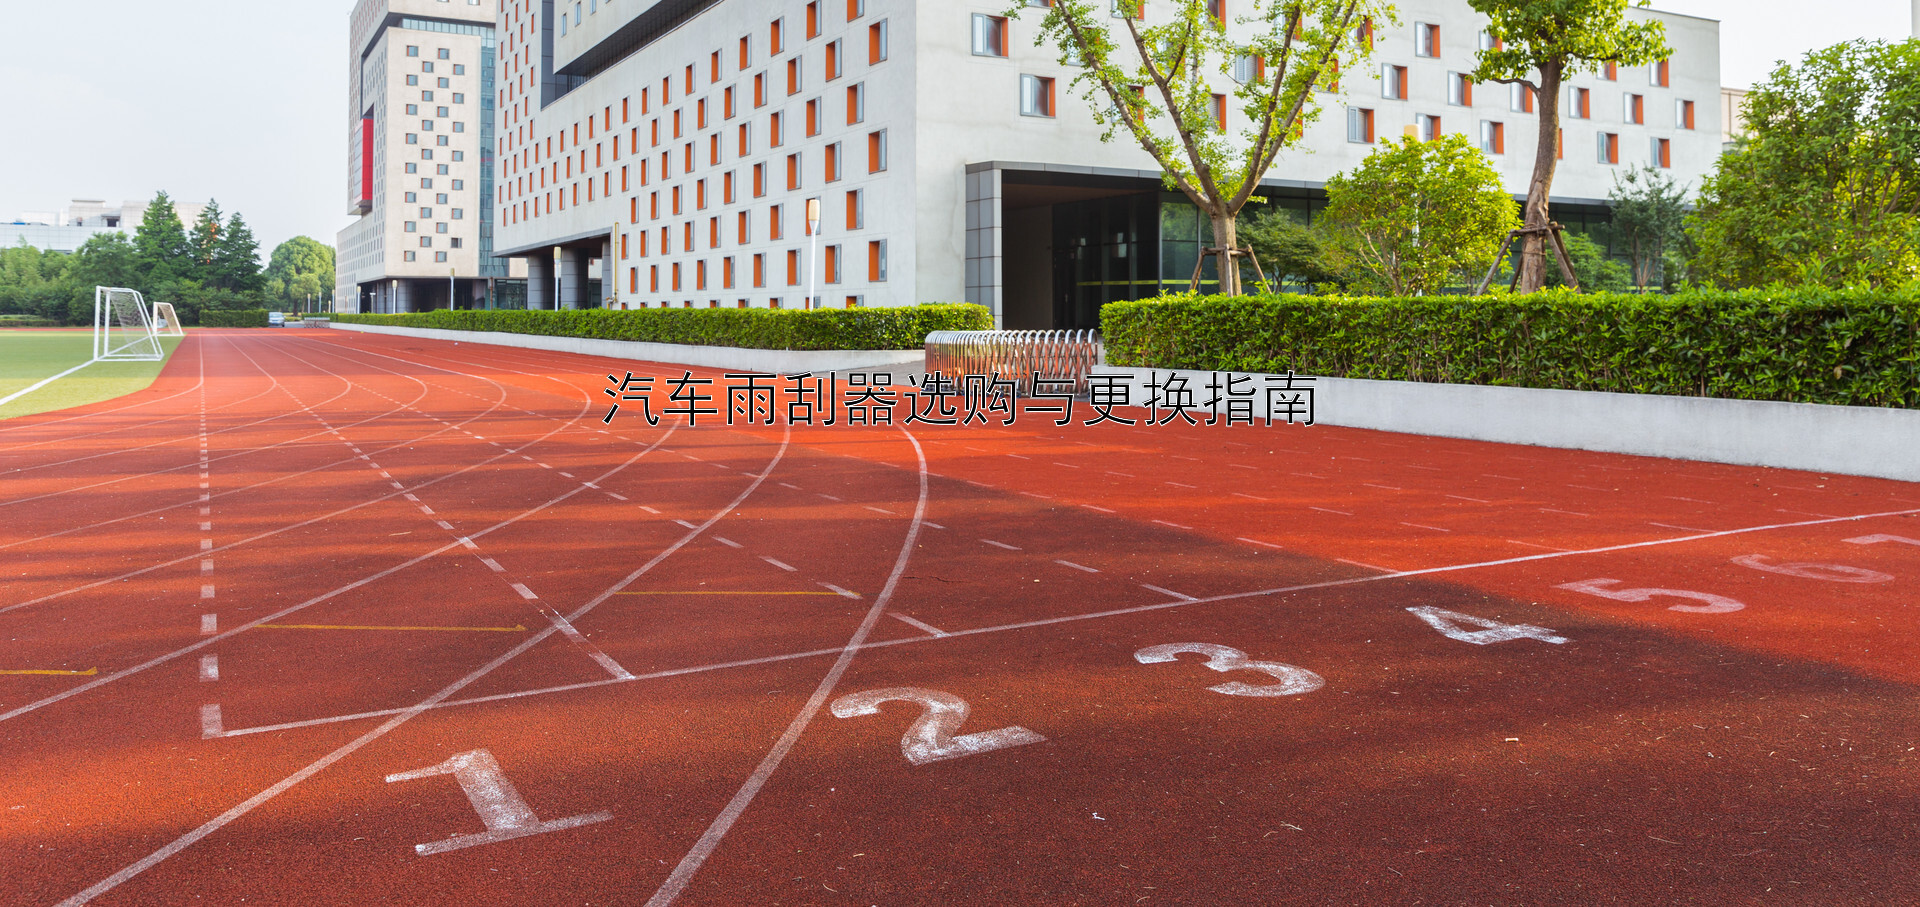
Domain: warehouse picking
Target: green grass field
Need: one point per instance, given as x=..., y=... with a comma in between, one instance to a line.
x=28, y=356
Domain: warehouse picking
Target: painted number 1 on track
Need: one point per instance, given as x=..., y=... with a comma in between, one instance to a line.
x=506, y=815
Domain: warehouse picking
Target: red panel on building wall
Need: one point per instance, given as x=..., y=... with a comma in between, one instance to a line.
x=366, y=159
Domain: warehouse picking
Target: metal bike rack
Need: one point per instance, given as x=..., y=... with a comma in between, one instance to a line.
x=1057, y=357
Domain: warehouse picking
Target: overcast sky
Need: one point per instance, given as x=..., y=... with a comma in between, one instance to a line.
x=245, y=102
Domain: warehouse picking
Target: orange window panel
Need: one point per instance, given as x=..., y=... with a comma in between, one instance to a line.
x=813, y=117
x=759, y=269
x=793, y=267
x=813, y=19
x=773, y=222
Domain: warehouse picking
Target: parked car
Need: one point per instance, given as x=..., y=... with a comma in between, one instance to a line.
x=276, y=319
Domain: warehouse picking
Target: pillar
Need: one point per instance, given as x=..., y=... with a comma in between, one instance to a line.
x=573, y=278
x=540, y=280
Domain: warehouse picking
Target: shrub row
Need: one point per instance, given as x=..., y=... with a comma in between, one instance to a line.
x=881, y=328
x=233, y=318
x=1806, y=345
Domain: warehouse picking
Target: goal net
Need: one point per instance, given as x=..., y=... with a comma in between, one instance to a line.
x=122, y=326
x=165, y=322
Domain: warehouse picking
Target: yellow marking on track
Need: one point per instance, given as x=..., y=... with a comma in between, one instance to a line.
x=705, y=592
x=86, y=673
x=513, y=629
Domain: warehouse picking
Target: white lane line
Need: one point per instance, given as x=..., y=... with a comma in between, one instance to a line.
x=686, y=525
x=409, y=496
x=1306, y=475
x=1507, y=478
x=931, y=525
x=1675, y=497
x=206, y=590
x=41, y=383
x=1384, y=487
x=206, y=566
x=1179, y=457
x=493, y=565
x=206, y=544
x=1100, y=509
x=649, y=509
x=209, y=668
x=1124, y=475
x=827, y=496
x=1076, y=566
x=1249, y=497
x=1242, y=466
x=1182, y=485
x=1423, y=526
x=206, y=526
x=710, y=841
x=209, y=624
x=211, y=724
x=567, y=474
x=781, y=564
x=1326, y=510
x=1001, y=545
x=1803, y=512
x=845, y=593
x=1462, y=497
x=786, y=485
x=426, y=510
x=1174, y=525
x=468, y=544
x=1036, y=495
x=936, y=631
x=1591, y=488
x=543, y=466
x=1260, y=543
x=1567, y=512
x=1019, y=457
x=1430, y=468
x=616, y=497
x=1368, y=566
x=1167, y=592
x=1681, y=528
x=444, y=525
x=1067, y=465
x=880, y=510
x=730, y=543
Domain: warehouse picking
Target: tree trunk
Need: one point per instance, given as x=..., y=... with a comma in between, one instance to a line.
x=1533, y=246
x=1226, y=237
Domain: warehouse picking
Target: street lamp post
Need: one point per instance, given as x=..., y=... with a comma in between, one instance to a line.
x=813, y=250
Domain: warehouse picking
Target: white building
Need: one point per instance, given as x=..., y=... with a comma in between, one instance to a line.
x=420, y=158
x=682, y=141
x=83, y=219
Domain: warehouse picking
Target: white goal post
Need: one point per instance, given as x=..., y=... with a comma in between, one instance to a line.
x=165, y=322
x=123, y=327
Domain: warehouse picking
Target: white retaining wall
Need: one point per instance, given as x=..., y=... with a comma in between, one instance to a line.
x=784, y=362
x=1853, y=440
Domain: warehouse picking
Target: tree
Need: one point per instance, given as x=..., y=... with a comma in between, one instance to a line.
x=203, y=242
x=236, y=261
x=1161, y=88
x=161, y=243
x=297, y=259
x=1415, y=216
x=1826, y=189
x=1649, y=215
x=1540, y=44
x=1291, y=252
x=1596, y=271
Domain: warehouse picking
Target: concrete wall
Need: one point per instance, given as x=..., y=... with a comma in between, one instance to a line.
x=1854, y=440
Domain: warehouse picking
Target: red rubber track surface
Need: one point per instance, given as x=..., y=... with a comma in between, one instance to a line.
x=302, y=563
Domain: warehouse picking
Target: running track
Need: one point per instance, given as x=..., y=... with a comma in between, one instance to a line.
x=357, y=619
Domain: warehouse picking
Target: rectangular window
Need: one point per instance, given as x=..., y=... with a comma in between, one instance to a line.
x=746, y=52
x=1683, y=114
x=774, y=138
x=700, y=274
x=833, y=61
x=774, y=222
x=856, y=103
x=746, y=139
x=813, y=19
x=1634, y=108
x=743, y=227
x=759, y=89
x=726, y=273
x=813, y=117
x=856, y=9
x=876, y=151
x=1429, y=127
x=1426, y=39
x=1610, y=71
x=1662, y=153
x=1489, y=42
x=774, y=43
x=989, y=35
x=1459, y=89
x=759, y=180
x=1658, y=73
x=1579, y=104
x=1360, y=125
x=830, y=270
x=726, y=188
x=793, y=76
x=833, y=162
x=1036, y=96
x=856, y=210
x=1393, y=81
x=877, y=261
x=793, y=267
x=1493, y=137
x=876, y=42
x=793, y=171
x=1219, y=113
x=1608, y=147
x=1519, y=98
x=700, y=195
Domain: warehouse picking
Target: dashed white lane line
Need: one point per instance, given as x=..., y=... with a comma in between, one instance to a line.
x=206, y=590
x=1242, y=466
x=206, y=566
x=1328, y=510
x=209, y=668
x=209, y=624
x=211, y=725
x=777, y=563
x=567, y=474
x=1124, y=475
x=1032, y=494
x=206, y=544
x=1567, y=512
x=426, y=510
x=493, y=565
x=1001, y=545
x=618, y=497
x=687, y=525
x=1151, y=587
x=1424, y=526
x=1462, y=497
x=1019, y=457
x=1260, y=543
x=1368, y=566
x=787, y=485
x=1174, y=525
x=730, y=543
x=847, y=593
x=444, y=525
x=1505, y=478
x=1067, y=465
x=880, y=510
x=1182, y=485
x=936, y=631
x=525, y=592
x=1592, y=488
x=827, y=496
x=1100, y=509
x=1675, y=497
x=1428, y=468
x=1076, y=566
x=1250, y=497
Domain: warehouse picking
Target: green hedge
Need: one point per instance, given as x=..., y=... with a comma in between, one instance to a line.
x=1851, y=347
x=233, y=318
x=880, y=328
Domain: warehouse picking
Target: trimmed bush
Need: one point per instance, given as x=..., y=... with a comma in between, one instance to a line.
x=233, y=318
x=1806, y=345
x=881, y=328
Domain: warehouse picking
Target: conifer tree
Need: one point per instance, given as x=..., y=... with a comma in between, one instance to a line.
x=236, y=264
x=160, y=243
x=204, y=242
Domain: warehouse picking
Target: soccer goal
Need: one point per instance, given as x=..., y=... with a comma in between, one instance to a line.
x=123, y=326
x=165, y=322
